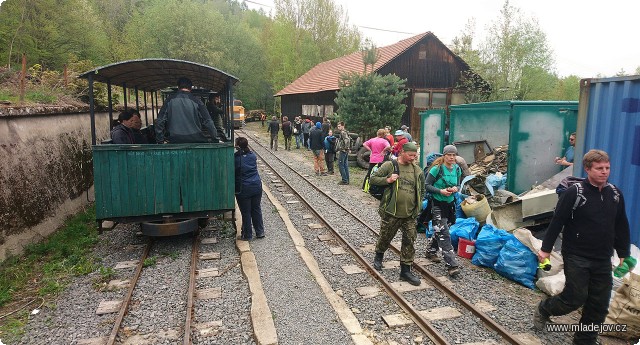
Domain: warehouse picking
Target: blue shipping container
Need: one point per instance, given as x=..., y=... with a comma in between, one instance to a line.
x=609, y=120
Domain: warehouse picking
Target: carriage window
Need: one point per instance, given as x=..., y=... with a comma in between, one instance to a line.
x=421, y=100
x=439, y=100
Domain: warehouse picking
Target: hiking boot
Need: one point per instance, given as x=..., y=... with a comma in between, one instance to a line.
x=342, y=183
x=406, y=275
x=377, y=261
x=433, y=257
x=539, y=319
x=454, y=271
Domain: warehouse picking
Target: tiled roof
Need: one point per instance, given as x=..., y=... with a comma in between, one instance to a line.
x=325, y=75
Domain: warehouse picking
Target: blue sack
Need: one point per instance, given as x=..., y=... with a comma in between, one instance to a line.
x=459, y=198
x=496, y=182
x=429, y=230
x=488, y=245
x=518, y=263
x=466, y=228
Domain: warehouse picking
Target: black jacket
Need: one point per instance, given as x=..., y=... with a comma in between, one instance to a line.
x=274, y=127
x=287, y=130
x=122, y=134
x=316, y=139
x=182, y=119
x=594, y=229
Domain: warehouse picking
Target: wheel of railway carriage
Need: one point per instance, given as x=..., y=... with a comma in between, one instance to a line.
x=169, y=227
x=203, y=222
x=363, y=158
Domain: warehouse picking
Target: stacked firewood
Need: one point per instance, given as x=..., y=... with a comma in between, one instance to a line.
x=492, y=162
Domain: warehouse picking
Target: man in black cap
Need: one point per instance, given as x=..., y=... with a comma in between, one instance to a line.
x=182, y=117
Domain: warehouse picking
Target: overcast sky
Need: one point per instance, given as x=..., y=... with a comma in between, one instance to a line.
x=587, y=37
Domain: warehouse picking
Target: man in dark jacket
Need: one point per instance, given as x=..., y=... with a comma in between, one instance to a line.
x=326, y=126
x=316, y=142
x=183, y=116
x=273, y=127
x=214, y=106
x=287, y=131
x=592, y=213
x=343, y=147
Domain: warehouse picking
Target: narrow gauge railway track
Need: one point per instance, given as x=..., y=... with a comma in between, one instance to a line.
x=415, y=315
x=133, y=283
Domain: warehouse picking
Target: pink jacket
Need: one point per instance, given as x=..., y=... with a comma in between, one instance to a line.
x=377, y=146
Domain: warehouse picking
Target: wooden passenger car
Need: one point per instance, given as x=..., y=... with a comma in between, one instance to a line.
x=167, y=187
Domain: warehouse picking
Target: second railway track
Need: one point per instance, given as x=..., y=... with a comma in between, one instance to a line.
x=355, y=233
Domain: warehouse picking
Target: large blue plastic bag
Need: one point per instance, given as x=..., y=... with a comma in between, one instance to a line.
x=518, y=263
x=465, y=228
x=488, y=244
x=459, y=198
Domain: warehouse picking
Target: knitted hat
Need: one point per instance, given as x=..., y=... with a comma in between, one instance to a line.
x=410, y=147
x=318, y=125
x=399, y=132
x=449, y=149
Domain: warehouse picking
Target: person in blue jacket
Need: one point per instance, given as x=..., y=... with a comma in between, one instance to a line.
x=248, y=190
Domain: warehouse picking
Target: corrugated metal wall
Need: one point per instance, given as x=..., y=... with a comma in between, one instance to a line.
x=609, y=120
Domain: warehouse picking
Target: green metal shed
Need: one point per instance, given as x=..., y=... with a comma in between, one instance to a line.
x=536, y=132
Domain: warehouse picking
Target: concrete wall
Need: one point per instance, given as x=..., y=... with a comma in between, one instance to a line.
x=46, y=171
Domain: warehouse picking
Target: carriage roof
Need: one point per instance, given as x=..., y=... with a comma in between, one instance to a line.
x=157, y=74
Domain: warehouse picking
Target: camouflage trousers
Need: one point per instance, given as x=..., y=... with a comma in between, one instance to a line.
x=389, y=226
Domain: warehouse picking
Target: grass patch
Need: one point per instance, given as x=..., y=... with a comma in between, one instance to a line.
x=46, y=268
x=150, y=261
x=172, y=255
x=40, y=97
x=105, y=275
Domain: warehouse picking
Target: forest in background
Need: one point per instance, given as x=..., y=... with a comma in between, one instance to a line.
x=266, y=51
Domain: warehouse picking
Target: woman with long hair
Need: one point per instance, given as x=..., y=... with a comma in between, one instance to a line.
x=248, y=190
x=443, y=181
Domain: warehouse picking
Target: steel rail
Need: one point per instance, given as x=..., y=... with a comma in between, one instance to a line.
x=415, y=315
x=125, y=303
x=191, y=290
x=488, y=321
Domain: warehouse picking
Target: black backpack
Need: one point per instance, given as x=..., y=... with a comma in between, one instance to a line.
x=378, y=191
x=332, y=145
x=570, y=181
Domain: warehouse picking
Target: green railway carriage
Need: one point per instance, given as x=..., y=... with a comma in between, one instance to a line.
x=166, y=187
